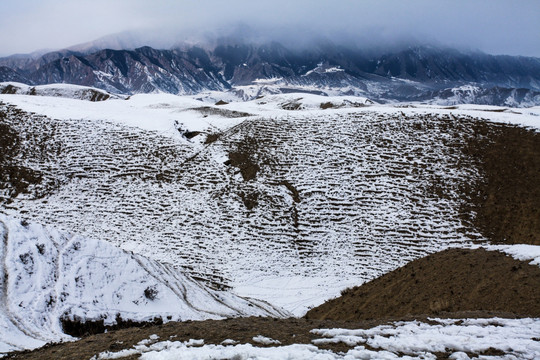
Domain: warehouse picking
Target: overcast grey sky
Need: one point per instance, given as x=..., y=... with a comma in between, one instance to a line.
x=494, y=26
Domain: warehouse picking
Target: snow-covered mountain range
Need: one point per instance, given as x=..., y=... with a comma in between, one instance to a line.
x=419, y=73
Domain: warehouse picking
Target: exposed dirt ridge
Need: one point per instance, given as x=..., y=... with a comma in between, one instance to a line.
x=453, y=280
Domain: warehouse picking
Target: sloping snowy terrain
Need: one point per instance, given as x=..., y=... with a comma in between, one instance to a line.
x=287, y=198
x=59, y=90
x=316, y=200
x=47, y=276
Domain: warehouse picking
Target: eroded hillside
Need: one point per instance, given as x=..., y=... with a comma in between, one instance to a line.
x=325, y=199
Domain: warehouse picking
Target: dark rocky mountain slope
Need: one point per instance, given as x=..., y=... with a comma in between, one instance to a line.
x=420, y=73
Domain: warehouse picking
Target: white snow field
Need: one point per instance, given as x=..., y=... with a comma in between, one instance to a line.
x=522, y=252
x=343, y=195
x=463, y=338
x=47, y=275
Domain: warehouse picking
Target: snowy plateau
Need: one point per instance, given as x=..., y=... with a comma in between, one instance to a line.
x=157, y=205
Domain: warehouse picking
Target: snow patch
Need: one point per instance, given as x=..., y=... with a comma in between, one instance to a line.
x=517, y=338
x=520, y=252
x=265, y=340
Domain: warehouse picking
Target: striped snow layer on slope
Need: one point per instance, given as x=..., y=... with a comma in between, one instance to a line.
x=47, y=275
x=342, y=195
x=375, y=190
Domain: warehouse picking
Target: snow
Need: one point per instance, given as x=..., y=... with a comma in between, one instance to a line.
x=265, y=340
x=154, y=112
x=182, y=350
x=229, y=342
x=516, y=338
x=297, y=294
x=323, y=69
x=159, y=112
x=53, y=275
x=69, y=91
x=189, y=224
x=522, y=252
x=267, y=81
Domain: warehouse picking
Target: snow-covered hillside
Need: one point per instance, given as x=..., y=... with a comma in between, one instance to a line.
x=47, y=276
x=289, y=206
x=474, y=94
x=59, y=90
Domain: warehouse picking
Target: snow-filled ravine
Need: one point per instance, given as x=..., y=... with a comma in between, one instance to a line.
x=48, y=275
x=328, y=198
x=461, y=339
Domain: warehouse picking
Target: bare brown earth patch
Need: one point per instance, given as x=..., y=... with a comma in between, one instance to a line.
x=210, y=138
x=16, y=176
x=454, y=280
x=243, y=155
x=505, y=204
x=287, y=331
x=326, y=105
x=13, y=177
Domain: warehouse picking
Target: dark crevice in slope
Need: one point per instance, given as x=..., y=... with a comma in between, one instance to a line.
x=294, y=192
x=77, y=327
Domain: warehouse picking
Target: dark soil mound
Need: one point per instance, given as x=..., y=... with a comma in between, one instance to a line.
x=243, y=157
x=505, y=204
x=454, y=280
